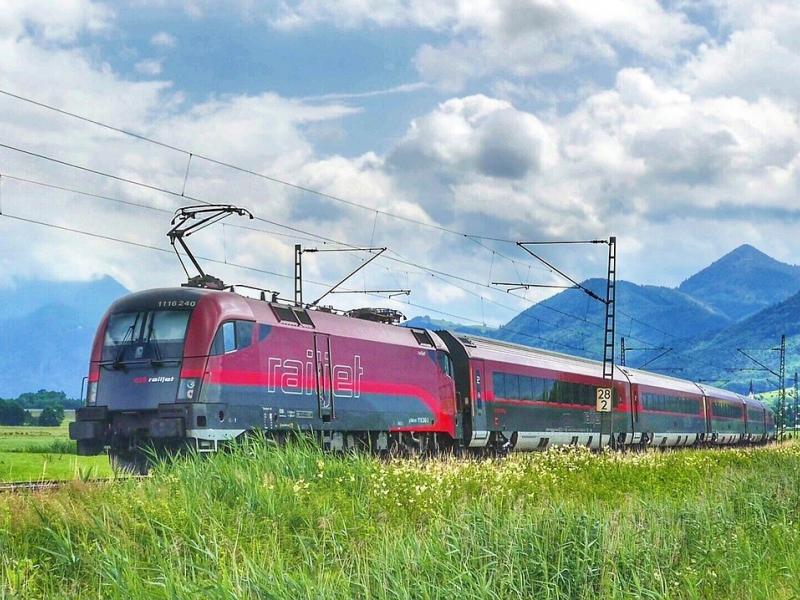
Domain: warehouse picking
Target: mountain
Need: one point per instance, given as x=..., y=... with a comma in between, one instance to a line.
x=649, y=316
x=745, y=299
x=743, y=282
x=427, y=322
x=759, y=336
x=46, y=333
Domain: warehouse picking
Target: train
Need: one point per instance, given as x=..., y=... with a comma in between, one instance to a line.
x=191, y=367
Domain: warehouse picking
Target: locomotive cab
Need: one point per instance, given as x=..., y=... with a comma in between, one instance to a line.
x=137, y=373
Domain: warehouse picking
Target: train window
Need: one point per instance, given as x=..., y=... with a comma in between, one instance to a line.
x=167, y=325
x=537, y=391
x=522, y=387
x=555, y=394
x=666, y=403
x=122, y=328
x=525, y=388
x=588, y=395
x=244, y=334
x=726, y=409
x=422, y=337
x=228, y=337
x=263, y=332
x=445, y=363
x=512, y=386
x=499, y=385
x=547, y=389
x=284, y=314
x=231, y=336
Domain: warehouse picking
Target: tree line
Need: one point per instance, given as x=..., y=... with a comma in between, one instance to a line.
x=16, y=411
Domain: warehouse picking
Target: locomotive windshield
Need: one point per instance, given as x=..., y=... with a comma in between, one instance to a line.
x=145, y=335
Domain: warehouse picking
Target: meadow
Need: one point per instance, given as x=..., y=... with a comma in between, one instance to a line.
x=35, y=453
x=292, y=522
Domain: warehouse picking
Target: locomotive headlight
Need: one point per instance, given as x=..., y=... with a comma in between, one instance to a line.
x=91, y=394
x=189, y=390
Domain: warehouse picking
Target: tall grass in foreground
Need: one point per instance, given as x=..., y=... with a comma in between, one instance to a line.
x=265, y=522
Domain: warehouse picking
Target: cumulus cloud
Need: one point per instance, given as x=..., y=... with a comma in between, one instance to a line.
x=163, y=39
x=518, y=37
x=697, y=153
x=476, y=134
x=751, y=64
x=148, y=67
x=53, y=20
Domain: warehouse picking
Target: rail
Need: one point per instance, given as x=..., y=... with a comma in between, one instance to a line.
x=46, y=485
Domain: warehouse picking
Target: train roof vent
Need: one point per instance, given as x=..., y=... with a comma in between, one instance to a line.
x=284, y=314
x=303, y=316
x=295, y=316
x=389, y=316
x=467, y=341
x=422, y=337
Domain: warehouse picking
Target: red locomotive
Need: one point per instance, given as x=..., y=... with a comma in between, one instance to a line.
x=191, y=366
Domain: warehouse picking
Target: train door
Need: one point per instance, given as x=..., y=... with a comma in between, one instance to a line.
x=323, y=360
x=479, y=421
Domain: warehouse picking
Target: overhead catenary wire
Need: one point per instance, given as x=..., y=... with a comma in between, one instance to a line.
x=114, y=239
x=398, y=258
x=229, y=165
x=474, y=238
x=325, y=239
x=193, y=154
x=161, y=189
x=228, y=263
x=109, y=238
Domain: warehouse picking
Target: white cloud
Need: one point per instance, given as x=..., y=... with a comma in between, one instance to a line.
x=163, y=39
x=148, y=67
x=404, y=88
x=751, y=64
x=356, y=13
x=680, y=162
x=476, y=134
x=53, y=20
x=518, y=37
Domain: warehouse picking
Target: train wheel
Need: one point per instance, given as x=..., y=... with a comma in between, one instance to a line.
x=89, y=447
x=133, y=463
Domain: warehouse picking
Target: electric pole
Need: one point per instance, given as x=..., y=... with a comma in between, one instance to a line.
x=782, y=371
x=795, y=403
x=608, y=346
x=298, y=275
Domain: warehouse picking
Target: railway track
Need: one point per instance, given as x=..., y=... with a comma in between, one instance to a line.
x=33, y=486
x=46, y=485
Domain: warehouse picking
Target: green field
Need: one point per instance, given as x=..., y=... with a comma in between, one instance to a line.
x=261, y=522
x=34, y=453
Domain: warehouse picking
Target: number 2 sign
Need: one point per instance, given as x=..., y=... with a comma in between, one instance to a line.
x=603, y=400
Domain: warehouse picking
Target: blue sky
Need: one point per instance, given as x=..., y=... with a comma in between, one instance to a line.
x=672, y=125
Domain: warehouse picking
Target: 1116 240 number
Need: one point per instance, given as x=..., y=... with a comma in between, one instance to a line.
x=176, y=303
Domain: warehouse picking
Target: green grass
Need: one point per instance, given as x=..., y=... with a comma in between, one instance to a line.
x=34, y=466
x=34, y=453
x=262, y=522
x=36, y=439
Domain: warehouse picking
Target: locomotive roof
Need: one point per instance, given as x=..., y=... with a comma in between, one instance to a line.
x=236, y=306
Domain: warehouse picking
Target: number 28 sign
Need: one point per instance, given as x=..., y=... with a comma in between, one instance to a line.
x=603, y=400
